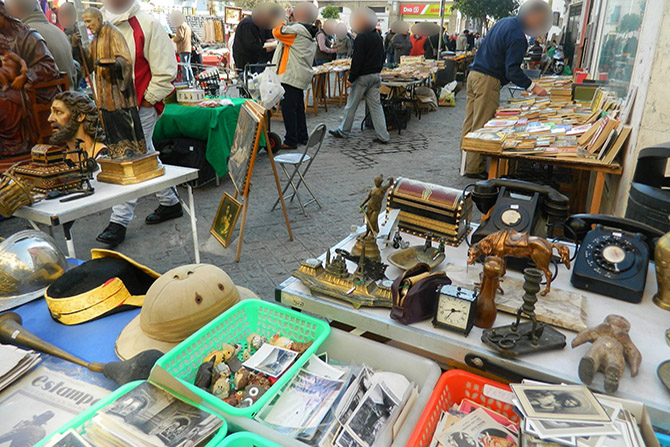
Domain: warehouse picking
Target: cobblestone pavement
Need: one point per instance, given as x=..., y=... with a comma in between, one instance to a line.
x=340, y=176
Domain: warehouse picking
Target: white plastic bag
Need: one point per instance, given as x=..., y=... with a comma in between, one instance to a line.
x=270, y=88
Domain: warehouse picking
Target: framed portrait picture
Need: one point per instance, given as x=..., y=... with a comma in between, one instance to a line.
x=247, y=135
x=562, y=402
x=226, y=219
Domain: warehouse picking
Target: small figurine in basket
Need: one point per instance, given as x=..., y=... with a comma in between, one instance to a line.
x=610, y=350
x=519, y=245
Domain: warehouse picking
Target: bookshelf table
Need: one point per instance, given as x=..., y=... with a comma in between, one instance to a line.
x=500, y=165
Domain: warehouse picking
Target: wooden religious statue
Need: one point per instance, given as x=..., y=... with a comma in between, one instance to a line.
x=73, y=117
x=520, y=245
x=109, y=60
x=25, y=62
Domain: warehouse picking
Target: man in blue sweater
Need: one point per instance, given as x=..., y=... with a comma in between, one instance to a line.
x=498, y=62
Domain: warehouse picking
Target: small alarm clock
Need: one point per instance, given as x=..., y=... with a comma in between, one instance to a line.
x=455, y=309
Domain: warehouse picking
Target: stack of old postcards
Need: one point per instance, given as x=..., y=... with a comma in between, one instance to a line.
x=330, y=405
x=570, y=415
x=147, y=416
x=15, y=363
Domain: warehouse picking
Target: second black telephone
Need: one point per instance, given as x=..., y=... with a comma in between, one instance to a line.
x=517, y=205
x=613, y=257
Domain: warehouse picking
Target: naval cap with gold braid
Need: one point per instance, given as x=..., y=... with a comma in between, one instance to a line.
x=179, y=303
x=110, y=282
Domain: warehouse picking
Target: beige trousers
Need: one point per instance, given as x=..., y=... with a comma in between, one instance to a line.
x=483, y=100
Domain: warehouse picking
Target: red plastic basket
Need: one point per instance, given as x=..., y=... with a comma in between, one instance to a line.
x=454, y=386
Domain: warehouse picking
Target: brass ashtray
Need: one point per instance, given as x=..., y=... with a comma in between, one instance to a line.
x=410, y=257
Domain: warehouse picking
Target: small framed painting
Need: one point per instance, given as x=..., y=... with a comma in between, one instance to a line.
x=226, y=219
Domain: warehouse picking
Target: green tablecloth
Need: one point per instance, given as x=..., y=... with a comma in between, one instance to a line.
x=215, y=125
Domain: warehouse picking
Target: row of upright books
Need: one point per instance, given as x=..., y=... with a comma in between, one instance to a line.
x=555, y=126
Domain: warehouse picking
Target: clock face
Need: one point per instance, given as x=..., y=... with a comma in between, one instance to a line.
x=453, y=312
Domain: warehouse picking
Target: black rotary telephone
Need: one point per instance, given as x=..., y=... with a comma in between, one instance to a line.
x=613, y=257
x=522, y=206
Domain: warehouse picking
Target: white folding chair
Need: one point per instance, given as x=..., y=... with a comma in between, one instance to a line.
x=297, y=160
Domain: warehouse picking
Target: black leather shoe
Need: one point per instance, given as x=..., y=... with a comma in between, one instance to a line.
x=113, y=235
x=477, y=176
x=163, y=213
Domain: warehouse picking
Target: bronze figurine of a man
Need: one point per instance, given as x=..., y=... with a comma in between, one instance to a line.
x=372, y=205
x=110, y=60
x=73, y=117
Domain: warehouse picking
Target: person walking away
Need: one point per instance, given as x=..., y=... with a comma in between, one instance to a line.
x=497, y=63
x=30, y=13
x=462, y=41
x=401, y=45
x=154, y=68
x=367, y=62
x=250, y=38
x=388, y=49
x=294, y=58
x=183, y=40
x=324, y=51
x=343, y=43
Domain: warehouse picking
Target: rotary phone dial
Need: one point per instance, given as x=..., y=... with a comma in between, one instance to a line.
x=613, y=257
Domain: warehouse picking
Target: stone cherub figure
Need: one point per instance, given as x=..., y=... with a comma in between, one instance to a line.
x=610, y=350
x=372, y=205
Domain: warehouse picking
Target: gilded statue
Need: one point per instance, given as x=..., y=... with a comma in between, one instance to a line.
x=110, y=61
x=662, y=262
x=372, y=205
x=519, y=245
x=611, y=348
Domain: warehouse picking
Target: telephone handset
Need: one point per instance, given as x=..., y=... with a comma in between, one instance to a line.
x=518, y=205
x=613, y=257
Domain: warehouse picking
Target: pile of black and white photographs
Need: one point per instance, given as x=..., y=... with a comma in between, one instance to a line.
x=368, y=410
x=299, y=408
x=476, y=429
x=147, y=416
x=571, y=415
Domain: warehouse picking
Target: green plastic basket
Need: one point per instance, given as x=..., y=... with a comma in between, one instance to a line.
x=78, y=422
x=246, y=439
x=234, y=326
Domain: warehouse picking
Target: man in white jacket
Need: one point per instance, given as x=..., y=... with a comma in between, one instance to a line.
x=154, y=67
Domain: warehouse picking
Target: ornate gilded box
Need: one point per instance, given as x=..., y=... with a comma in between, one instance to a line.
x=48, y=170
x=429, y=208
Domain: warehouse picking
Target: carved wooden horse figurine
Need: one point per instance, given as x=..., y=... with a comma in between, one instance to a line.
x=519, y=245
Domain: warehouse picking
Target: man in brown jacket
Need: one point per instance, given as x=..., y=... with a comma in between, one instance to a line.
x=183, y=40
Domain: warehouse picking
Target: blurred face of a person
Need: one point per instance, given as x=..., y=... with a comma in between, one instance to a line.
x=67, y=15
x=14, y=9
x=329, y=26
x=117, y=6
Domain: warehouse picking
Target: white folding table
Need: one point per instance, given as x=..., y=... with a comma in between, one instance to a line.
x=54, y=212
x=648, y=326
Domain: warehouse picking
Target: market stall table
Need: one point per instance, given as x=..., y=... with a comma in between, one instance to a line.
x=649, y=324
x=500, y=163
x=54, y=212
x=215, y=125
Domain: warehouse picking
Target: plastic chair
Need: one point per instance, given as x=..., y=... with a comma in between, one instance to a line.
x=297, y=160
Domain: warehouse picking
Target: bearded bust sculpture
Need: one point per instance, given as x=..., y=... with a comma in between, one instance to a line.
x=73, y=117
